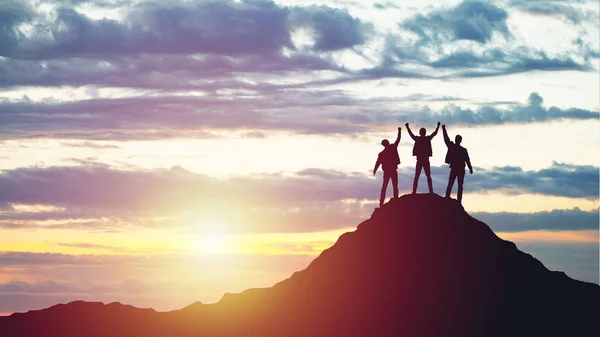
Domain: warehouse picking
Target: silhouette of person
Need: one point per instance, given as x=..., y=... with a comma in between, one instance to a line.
x=457, y=156
x=389, y=160
x=422, y=150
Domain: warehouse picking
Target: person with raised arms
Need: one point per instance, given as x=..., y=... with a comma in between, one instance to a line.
x=422, y=150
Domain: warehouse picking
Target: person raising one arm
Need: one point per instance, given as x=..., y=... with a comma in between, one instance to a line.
x=457, y=156
x=389, y=160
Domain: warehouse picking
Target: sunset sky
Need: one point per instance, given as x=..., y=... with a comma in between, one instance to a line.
x=159, y=153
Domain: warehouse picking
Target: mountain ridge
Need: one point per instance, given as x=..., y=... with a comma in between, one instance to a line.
x=419, y=266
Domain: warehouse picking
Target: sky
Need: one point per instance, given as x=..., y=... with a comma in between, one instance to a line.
x=159, y=153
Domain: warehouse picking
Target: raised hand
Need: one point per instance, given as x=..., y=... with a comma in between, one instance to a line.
x=406, y=124
x=438, y=124
x=443, y=126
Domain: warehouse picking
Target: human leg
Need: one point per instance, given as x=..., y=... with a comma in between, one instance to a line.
x=427, y=170
x=386, y=178
x=394, y=177
x=451, y=179
x=461, y=179
x=417, y=174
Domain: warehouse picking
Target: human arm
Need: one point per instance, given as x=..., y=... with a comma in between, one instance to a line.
x=409, y=131
x=445, y=133
x=468, y=160
x=399, y=135
x=377, y=163
x=435, y=132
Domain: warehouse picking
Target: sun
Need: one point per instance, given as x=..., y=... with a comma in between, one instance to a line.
x=212, y=241
x=214, y=244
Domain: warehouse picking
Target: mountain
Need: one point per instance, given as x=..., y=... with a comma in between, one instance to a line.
x=420, y=266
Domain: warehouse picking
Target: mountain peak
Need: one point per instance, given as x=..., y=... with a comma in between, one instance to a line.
x=419, y=266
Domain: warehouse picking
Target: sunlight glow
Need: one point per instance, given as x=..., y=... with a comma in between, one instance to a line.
x=212, y=240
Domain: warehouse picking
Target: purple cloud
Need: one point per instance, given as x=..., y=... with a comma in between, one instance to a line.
x=323, y=199
x=331, y=113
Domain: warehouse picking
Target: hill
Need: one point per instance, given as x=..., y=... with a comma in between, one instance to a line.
x=420, y=266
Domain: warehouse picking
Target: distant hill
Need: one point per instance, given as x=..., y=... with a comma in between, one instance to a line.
x=420, y=266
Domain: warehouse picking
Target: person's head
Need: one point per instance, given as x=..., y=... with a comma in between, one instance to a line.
x=385, y=143
x=422, y=131
x=457, y=139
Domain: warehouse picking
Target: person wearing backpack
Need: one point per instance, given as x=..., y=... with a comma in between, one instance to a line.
x=422, y=150
x=457, y=156
x=389, y=160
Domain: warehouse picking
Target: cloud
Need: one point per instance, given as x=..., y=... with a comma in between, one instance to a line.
x=53, y=287
x=255, y=134
x=228, y=27
x=166, y=72
x=470, y=20
x=565, y=180
x=386, y=5
x=39, y=259
x=555, y=8
x=236, y=45
x=224, y=27
x=312, y=112
x=12, y=14
x=465, y=62
x=496, y=62
x=309, y=200
x=586, y=50
x=459, y=42
x=143, y=281
x=103, y=186
x=334, y=29
x=95, y=3
x=92, y=145
x=573, y=219
x=531, y=112
x=89, y=246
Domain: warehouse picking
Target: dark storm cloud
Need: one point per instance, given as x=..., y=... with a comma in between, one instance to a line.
x=574, y=219
x=470, y=20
